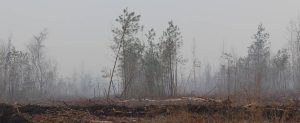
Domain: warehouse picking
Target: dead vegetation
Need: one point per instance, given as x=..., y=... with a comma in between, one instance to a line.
x=185, y=109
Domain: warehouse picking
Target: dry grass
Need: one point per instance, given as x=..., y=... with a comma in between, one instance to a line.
x=179, y=110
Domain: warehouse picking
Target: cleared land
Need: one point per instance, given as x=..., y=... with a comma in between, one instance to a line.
x=182, y=109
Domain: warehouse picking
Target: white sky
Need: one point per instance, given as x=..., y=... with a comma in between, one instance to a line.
x=80, y=30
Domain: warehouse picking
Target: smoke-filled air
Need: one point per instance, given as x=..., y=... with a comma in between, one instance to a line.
x=149, y=61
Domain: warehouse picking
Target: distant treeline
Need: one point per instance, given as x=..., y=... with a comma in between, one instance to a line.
x=149, y=65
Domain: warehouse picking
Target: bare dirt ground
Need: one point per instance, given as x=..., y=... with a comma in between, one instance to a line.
x=174, y=110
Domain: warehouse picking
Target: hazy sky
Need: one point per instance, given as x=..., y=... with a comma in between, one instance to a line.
x=80, y=30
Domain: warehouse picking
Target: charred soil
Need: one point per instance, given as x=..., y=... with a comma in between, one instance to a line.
x=177, y=110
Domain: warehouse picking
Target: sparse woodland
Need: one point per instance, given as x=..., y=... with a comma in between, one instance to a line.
x=147, y=64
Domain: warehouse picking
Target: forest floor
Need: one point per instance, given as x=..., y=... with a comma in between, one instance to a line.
x=172, y=110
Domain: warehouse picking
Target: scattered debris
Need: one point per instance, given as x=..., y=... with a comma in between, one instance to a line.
x=9, y=114
x=198, y=109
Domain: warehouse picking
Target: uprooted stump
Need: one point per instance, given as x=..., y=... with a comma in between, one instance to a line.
x=9, y=114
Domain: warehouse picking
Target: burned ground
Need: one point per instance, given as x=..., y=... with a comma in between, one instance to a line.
x=172, y=110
